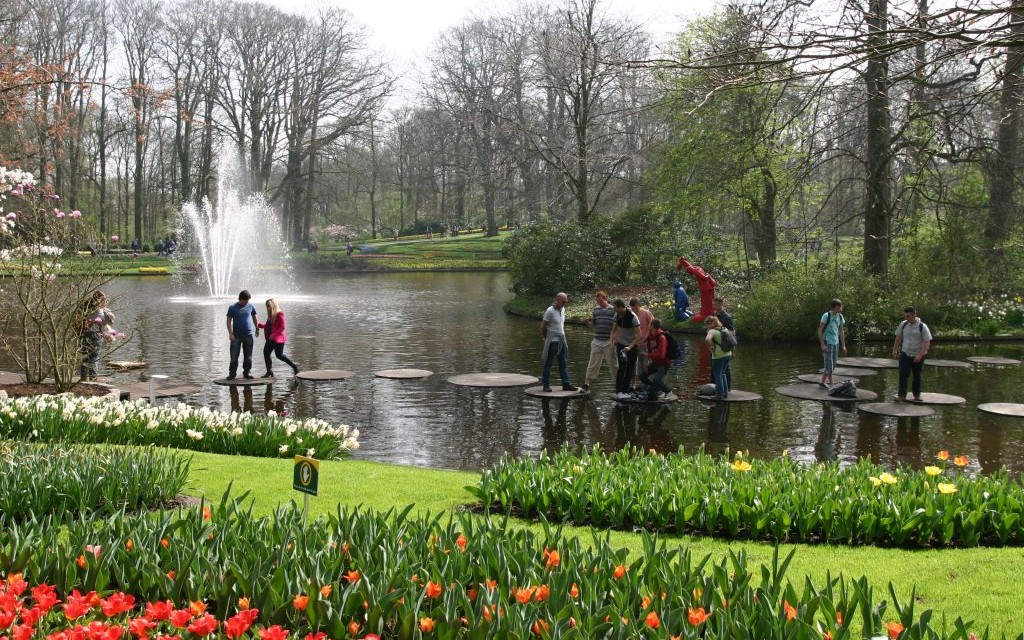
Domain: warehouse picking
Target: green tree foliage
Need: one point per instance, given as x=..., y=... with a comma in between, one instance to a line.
x=731, y=158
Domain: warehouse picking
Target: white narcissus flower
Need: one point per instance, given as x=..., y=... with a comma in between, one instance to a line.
x=282, y=449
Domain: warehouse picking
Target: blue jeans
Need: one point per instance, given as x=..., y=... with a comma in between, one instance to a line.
x=829, y=357
x=720, y=375
x=243, y=344
x=908, y=367
x=653, y=377
x=557, y=349
x=90, y=367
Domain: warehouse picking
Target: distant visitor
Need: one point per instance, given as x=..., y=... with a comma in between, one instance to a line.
x=913, y=340
x=552, y=330
x=831, y=338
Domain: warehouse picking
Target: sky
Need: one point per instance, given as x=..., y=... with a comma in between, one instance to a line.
x=404, y=30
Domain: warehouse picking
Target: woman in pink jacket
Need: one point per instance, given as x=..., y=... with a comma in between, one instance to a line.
x=274, y=331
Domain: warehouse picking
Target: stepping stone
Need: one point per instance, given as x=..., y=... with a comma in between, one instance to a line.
x=814, y=392
x=403, y=374
x=852, y=371
x=993, y=360
x=240, y=382
x=815, y=378
x=871, y=363
x=493, y=380
x=141, y=390
x=126, y=365
x=948, y=363
x=734, y=396
x=556, y=392
x=320, y=375
x=897, y=409
x=671, y=399
x=1012, y=409
x=936, y=398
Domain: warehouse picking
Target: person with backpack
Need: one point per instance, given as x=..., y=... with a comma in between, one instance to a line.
x=832, y=338
x=913, y=340
x=657, y=365
x=720, y=343
x=718, y=306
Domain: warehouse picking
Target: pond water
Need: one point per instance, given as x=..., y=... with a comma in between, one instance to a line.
x=453, y=323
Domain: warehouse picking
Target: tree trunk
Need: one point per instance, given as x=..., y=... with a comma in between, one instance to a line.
x=877, y=215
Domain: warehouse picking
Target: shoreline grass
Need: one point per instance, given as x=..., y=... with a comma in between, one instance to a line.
x=977, y=584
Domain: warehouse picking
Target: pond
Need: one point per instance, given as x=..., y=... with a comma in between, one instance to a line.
x=453, y=323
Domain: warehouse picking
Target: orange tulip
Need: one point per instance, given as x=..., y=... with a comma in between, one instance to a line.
x=942, y=455
x=961, y=461
x=353, y=628
x=553, y=559
x=207, y=514
x=300, y=602
x=472, y=593
x=171, y=574
x=197, y=608
x=325, y=591
x=697, y=616
x=426, y=625
x=542, y=593
x=894, y=629
x=243, y=604
x=790, y=610
x=129, y=545
x=433, y=589
x=620, y=570
x=523, y=596
x=652, y=620
x=460, y=542
x=490, y=584
x=165, y=542
x=351, y=577
x=540, y=627
x=839, y=618
x=574, y=591
x=80, y=561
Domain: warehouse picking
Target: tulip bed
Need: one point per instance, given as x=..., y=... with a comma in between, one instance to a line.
x=68, y=480
x=777, y=500
x=97, y=420
x=195, y=573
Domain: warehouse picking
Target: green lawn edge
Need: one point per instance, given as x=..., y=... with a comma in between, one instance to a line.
x=975, y=584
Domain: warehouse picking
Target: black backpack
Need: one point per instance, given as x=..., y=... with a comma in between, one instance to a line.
x=673, y=350
x=846, y=389
x=728, y=341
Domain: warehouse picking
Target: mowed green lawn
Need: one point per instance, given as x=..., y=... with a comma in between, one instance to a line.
x=976, y=584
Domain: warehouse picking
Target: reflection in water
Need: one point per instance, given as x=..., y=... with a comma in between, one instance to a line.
x=453, y=323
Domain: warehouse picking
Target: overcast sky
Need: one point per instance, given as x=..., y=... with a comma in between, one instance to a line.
x=404, y=30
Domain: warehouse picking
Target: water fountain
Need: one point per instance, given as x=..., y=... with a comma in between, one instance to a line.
x=237, y=234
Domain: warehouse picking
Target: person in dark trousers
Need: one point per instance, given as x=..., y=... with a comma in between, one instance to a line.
x=552, y=330
x=626, y=336
x=273, y=329
x=241, y=327
x=913, y=340
x=657, y=365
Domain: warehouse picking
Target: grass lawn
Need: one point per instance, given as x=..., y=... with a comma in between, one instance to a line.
x=467, y=251
x=976, y=584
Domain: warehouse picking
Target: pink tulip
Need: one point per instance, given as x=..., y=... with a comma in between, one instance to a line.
x=114, y=238
x=76, y=214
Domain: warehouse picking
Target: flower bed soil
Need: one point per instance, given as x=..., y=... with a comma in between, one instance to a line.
x=38, y=389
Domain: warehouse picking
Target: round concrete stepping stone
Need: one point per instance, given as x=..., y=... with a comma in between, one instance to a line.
x=493, y=380
x=243, y=382
x=141, y=390
x=852, y=371
x=671, y=399
x=403, y=374
x=126, y=365
x=992, y=360
x=556, y=392
x=815, y=378
x=948, y=363
x=936, y=398
x=325, y=374
x=870, y=363
x=897, y=409
x=734, y=396
x=814, y=392
x=1012, y=409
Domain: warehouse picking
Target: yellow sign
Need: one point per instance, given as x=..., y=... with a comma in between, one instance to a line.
x=307, y=475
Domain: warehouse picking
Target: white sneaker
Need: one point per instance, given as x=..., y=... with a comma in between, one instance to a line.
x=622, y=396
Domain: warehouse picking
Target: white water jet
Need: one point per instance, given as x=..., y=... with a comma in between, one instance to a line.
x=237, y=234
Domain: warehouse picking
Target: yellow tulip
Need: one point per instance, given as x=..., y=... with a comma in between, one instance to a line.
x=741, y=465
x=875, y=481
x=932, y=471
x=887, y=478
x=946, y=487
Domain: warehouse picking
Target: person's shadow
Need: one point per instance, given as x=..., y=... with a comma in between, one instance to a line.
x=718, y=424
